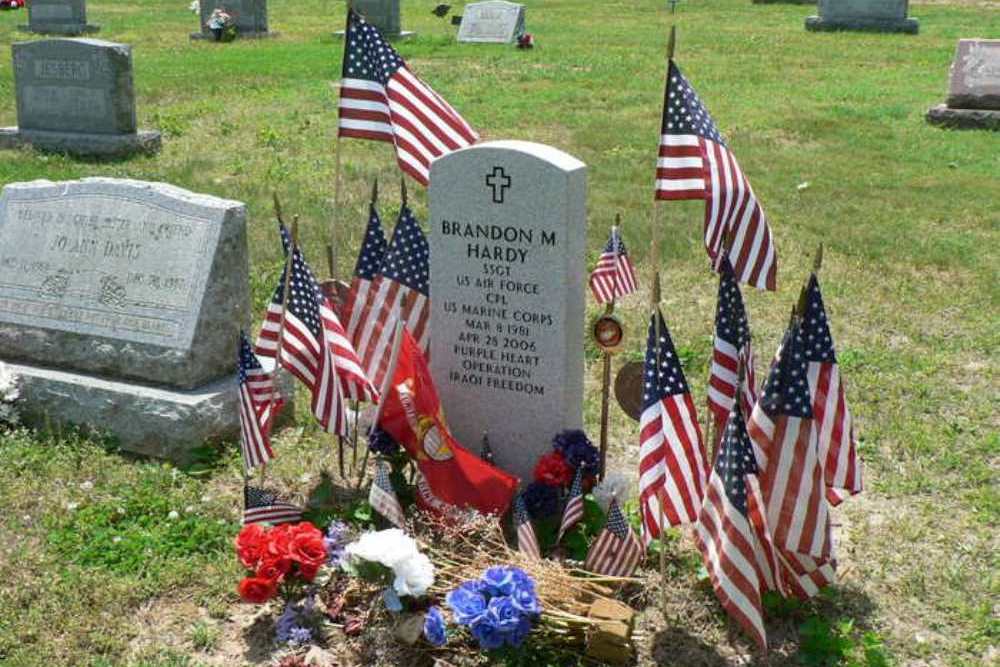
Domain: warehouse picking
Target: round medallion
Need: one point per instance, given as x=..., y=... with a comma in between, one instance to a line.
x=628, y=388
x=608, y=333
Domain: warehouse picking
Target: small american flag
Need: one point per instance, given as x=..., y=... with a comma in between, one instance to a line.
x=834, y=425
x=731, y=348
x=401, y=290
x=381, y=100
x=527, y=541
x=783, y=434
x=259, y=402
x=382, y=497
x=614, y=275
x=672, y=466
x=617, y=551
x=574, y=506
x=695, y=163
x=357, y=307
x=263, y=506
x=732, y=534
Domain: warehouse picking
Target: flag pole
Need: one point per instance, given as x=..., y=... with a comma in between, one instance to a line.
x=286, y=283
x=804, y=292
x=390, y=372
x=331, y=247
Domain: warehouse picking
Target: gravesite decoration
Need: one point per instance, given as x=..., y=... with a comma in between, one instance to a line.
x=974, y=89
x=58, y=17
x=865, y=15
x=76, y=96
x=223, y=20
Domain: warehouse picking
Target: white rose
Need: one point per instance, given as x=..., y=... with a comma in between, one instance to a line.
x=414, y=576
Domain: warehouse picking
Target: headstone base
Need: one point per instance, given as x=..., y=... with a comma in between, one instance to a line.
x=818, y=23
x=152, y=421
x=964, y=119
x=243, y=34
x=86, y=29
x=75, y=143
x=784, y=2
x=404, y=34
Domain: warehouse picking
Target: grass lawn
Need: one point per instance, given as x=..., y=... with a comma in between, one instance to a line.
x=94, y=568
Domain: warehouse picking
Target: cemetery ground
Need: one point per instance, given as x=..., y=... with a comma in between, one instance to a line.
x=108, y=560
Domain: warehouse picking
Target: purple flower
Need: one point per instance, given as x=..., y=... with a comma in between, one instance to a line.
x=434, y=627
x=498, y=580
x=466, y=602
x=336, y=536
x=486, y=633
x=290, y=628
x=300, y=636
x=578, y=451
x=382, y=443
x=502, y=613
x=541, y=500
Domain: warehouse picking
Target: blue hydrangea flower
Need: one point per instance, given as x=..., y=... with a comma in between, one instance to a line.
x=466, y=602
x=487, y=633
x=382, y=443
x=541, y=500
x=498, y=580
x=434, y=627
x=578, y=451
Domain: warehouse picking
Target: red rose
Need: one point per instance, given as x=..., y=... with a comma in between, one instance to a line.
x=553, y=470
x=274, y=569
x=278, y=540
x=307, y=546
x=250, y=543
x=257, y=590
x=308, y=572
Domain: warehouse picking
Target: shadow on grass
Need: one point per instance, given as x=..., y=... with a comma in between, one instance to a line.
x=257, y=638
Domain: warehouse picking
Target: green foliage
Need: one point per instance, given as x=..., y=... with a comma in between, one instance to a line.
x=204, y=635
x=826, y=643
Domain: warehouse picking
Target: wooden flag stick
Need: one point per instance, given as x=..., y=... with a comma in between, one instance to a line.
x=286, y=283
x=804, y=292
x=605, y=399
x=672, y=43
x=390, y=371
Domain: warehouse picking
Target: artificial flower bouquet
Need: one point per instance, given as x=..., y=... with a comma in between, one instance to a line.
x=284, y=556
x=499, y=609
x=222, y=24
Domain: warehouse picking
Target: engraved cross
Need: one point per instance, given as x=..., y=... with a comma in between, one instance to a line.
x=499, y=181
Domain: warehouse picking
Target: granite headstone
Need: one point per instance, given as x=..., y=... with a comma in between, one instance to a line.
x=867, y=15
x=508, y=233
x=974, y=89
x=128, y=297
x=76, y=96
x=494, y=21
x=384, y=15
x=58, y=17
x=250, y=17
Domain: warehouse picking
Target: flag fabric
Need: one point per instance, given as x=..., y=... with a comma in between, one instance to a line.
x=672, y=465
x=259, y=401
x=314, y=346
x=834, y=426
x=401, y=290
x=732, y=532
x=695, y=163
x=614, y=275
x=783, y=435
x=263, y=506
x=412, y=415
x=616, y=551
x=357, y=307
x=527, y=541
x=382, y=497
x=731, y=349
x=382, y=100
x=574, y=506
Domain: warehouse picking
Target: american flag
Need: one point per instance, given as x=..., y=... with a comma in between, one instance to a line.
x=614, y=275
x=527, y=542
x=574, y=506
x=367, y=272
x=695, y=163
x=617, y=551
x=263, y=506
x=783, y=434
x=314, y=346
x=834, y=426
x=731, y=349
x=259, y=402
x=400, y=290
x=672, y=466
x=382, y=497
x=380, y=99
x=732, y=533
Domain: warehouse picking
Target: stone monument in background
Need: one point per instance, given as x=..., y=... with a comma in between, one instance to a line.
x=250, y=17
x=76, y=96
x=508, y=234
x=58, y=17
x=974, y=88
x=868, y=15
x=494, y=21
x=121, y=304
x=384, y=15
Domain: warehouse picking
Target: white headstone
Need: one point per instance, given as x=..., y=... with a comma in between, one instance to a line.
x=494, y=21
x=508, y=234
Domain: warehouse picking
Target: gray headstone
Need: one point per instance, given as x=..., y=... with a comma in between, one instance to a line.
x=494, y=21
x=58, y=17
x=870, y=15
x=76, y=95
x=974, y=90
x=508, y=232
x=121, y=278
x=383, y=14
x=250, y=16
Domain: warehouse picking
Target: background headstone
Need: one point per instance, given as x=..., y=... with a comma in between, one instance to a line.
x=77, y=96
x=493, y=21
x=384, y=15
x=250, y=17
x=508, y=234
x=974, y=87
x=136, y=291
x=58, y=17
x=870, y=15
